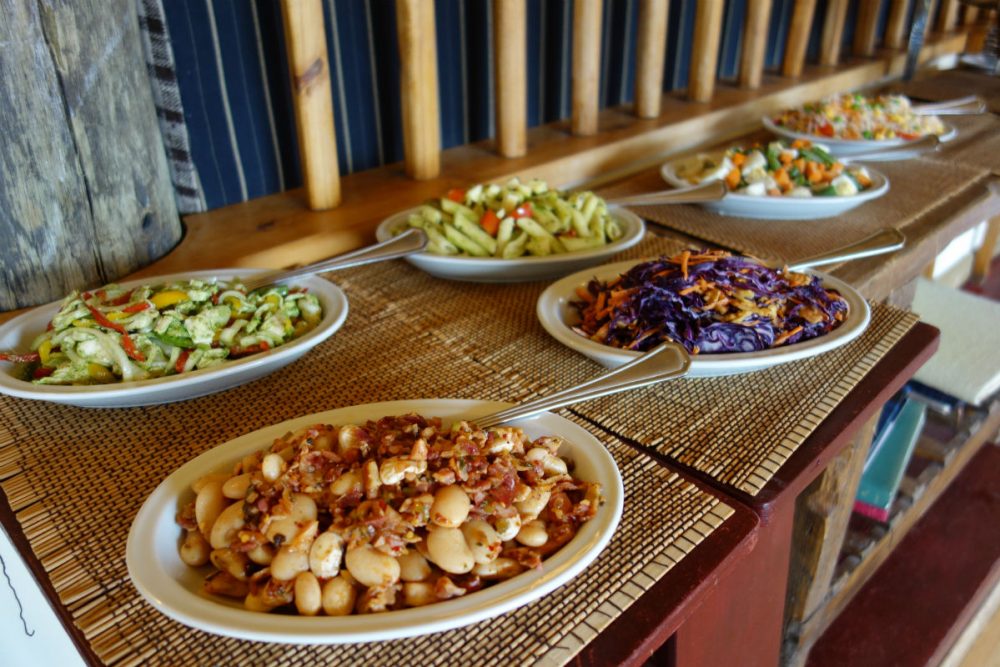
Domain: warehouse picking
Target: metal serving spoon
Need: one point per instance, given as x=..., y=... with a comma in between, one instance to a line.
x=962, y=106
x=407, y=243
x=924, y=144
x=710, y=191
x=887, y=240
x=664, y=362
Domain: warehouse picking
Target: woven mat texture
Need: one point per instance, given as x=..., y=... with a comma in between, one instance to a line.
x=75, y=479
x=977, y=144
x=739, y=429
x=917, y=188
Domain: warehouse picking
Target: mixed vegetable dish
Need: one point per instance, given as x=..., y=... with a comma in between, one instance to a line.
x=780, y=169
x=857, y=117
x=710, y=302
x=514, y=220
x=115, y=334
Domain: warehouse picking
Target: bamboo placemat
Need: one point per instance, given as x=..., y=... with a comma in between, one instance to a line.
x=976, y=145
x=918, y=188
x=739, y=429
x=75, y=479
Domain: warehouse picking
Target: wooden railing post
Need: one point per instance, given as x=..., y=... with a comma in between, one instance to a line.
x=308, y=62
x=948, y=18
x=798, y=38
x=419, y=88
x=895, y=37
x=705, y=49
x=833, y=32
x=511, y=45
x=865, y=33
x=755, y=28
x=650, y=52
x=586, y=56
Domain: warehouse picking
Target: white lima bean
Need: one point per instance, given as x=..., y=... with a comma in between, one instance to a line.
x=262, y=554
x=507, y=527
x=418, y=593
x=482, y=540
x=326, y=554
x=451, y=507
x=338, y=597
x=234, y=562
x=501, y=568
x=208, y=505
x=235, y=488
x=302, y=512
x=346, y=483
x=533, y=505
x=447, y=549
x=288, y=563
x=551, y=464
x=413, y=566
x=371, y=567
x=195, y=549
x=272, y=466
x=533, y=534
x=225, y=527
x=308, y=594
x=200, y=483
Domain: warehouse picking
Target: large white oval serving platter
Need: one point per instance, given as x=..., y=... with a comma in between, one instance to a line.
x=557, y=316
x=782, y=208
x=17, y=335
x=849, y=147
x=176, y=589
x=519, y=269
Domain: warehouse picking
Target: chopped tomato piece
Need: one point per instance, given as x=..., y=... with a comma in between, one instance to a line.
x=42, y=371
x=181, y=360
x=456, y=195
x=490, y=223
x=523, y=211
x=826, y=130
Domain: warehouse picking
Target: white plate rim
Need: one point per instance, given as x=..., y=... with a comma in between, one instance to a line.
x=553, y=302
x=335, y=309
x=634, y=231
x=880, y=186
x=170, y=597
x=834, y=143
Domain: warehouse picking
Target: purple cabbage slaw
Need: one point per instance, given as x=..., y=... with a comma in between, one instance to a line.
x=724, y=303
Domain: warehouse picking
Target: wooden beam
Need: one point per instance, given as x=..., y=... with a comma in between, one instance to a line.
x=969, y=14
x=705, y=49
x=755, y=29
x=312, y=97
x=895, y=36
x=833, y=32
x=649, y=58
x=983, y=257
x=510, y=21
x=948, y=18
x=798, y=37
x=586, y=59
x=865, y=32
x=419, y=88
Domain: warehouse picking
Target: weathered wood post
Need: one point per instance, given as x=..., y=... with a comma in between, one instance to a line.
x=85, y=192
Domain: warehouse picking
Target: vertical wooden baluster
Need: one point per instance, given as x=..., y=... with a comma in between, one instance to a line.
x=798, y=37
x=867, y=27
x=419, y=88
x=755, y=28
x=895, y=37
x=969, y=14
x=948, y=17
x=833, y=32
x=586, y=57
x=310, y=73
x=705, y=49
x=649, y=59
x=511, y=44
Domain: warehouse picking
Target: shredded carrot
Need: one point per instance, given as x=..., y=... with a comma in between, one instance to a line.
x=685, y=256
x=785, y=336
x=738, y=159
x=733, y=178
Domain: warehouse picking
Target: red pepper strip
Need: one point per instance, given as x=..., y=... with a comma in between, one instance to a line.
x=105, y=322
x=490, y=223
x=136, y=307
x=42, y=371
x=130, y=348
x=20, y=358
x=247, y=351
x=122, y=300
x=181, y=360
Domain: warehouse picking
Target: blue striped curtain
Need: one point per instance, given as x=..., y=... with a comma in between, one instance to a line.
x=234, y=81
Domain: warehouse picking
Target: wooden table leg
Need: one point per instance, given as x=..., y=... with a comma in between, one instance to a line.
x=984, y=256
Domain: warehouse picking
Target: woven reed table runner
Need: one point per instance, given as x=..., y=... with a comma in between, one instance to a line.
x=918, y=188
x=75, y=479
x=977, y=144
x=738, y=429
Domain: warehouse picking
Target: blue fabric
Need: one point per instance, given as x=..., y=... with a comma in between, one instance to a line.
x=233, y=76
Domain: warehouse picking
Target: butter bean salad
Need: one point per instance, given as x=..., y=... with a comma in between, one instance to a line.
x=395, y=513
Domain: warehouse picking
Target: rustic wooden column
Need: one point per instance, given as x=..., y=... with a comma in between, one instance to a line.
x=510, y=21
x=895, y=37
x=586, y=59
x=755, y=29
x=948, y=17
x=85, y=191
x=649, y=59
x=798, y=38
x=308, y=61
x=705, y=49
x=419, y=88
x=865, y=32
x=833, y=32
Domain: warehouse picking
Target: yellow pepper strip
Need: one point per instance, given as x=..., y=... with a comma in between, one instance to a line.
x=117, y=315
x=83, y=323
x=44, y=350
x=99, y=373
x=168, y=298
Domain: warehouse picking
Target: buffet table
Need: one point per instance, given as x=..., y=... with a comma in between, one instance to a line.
x=713, y=467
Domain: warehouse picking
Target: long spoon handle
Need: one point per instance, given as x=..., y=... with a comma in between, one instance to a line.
x=711, y=191
x=887, y=240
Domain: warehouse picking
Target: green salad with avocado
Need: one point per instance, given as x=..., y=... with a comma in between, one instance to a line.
x=117, y=334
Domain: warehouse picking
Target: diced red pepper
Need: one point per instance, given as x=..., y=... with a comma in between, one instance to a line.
x=122, y=300
x=826, y=130
x=26, y=358
x=490, y=222
x=456, y=195
x=85, y=295
x=136, y=307
x=104, y=321
x=42, y=371
x=130, y=348
x=181, y=360
x=247, y=351
x=523, y=211
x=908, y=136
